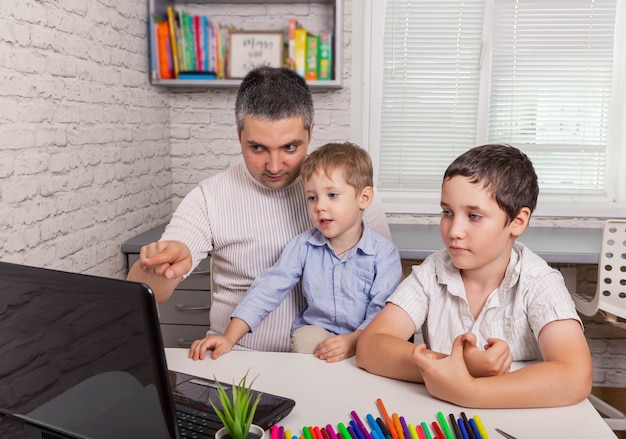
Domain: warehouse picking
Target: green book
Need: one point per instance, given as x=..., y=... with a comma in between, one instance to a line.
x=325, y=58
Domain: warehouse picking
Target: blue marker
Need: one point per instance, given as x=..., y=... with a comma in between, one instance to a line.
x=475, y=429
x=374, y=425
x=462, y=428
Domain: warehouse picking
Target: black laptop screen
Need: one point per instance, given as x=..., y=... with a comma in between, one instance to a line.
x=74, y=354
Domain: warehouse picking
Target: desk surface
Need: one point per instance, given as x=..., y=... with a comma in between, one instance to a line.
x=417, y=241
x=327, y=393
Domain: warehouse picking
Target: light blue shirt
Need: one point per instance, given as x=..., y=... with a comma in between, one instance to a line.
x=342, y=295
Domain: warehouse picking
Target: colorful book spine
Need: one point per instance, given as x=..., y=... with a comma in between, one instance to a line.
x=166, y=70
x=291, y=43
x=325, y=59
x=154, y=53
x=171, y=16
x=300, y=52
x=312, y=47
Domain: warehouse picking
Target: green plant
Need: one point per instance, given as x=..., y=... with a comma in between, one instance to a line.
x=236, y=413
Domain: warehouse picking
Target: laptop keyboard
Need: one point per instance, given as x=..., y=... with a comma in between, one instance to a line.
x=196, y=424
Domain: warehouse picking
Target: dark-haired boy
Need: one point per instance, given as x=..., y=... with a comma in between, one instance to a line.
x=484, y=289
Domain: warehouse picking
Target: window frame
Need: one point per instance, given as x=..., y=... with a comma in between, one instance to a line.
x=371, y=14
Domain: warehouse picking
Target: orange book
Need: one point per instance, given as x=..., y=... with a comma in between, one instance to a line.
x=166, y=70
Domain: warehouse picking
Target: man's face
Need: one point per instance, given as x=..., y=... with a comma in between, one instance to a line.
x=274, y=150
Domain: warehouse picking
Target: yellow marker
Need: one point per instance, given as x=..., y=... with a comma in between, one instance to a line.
x=287, y=434
x=481, y=427
x=413, y=431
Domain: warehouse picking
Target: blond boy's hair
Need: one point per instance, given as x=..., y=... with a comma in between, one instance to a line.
x=354, y=161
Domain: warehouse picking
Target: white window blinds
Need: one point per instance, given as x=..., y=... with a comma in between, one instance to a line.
x=535, y=74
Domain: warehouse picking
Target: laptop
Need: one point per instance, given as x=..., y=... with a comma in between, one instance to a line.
x=82, y=357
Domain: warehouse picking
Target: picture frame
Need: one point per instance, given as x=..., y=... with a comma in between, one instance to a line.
x=251, y=49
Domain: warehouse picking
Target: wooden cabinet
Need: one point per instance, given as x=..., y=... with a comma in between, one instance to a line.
x=185, y=316
x=272, y=9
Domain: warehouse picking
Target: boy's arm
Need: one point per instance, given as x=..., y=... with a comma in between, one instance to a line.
x=388, y=277
x=383, y=349
x=219, y=344
x=563, y=378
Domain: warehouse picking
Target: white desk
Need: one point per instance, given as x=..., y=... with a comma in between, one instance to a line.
x=327, y=393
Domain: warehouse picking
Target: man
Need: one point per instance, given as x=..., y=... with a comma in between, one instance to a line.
x=246, y=215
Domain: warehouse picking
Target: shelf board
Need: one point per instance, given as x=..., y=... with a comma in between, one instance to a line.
x=233, y=83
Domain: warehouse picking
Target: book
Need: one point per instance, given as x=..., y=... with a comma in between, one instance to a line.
x=312, y=47
x=171, y=16
x=291, y=43
x=300, y=51
x=164, y=52
x=325, y=59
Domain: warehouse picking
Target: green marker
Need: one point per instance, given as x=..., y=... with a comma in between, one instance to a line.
x=426, y=430
x=306, y=432
x=444, y=425
x=344, y=431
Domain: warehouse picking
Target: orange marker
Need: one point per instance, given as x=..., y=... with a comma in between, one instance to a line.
x=398, y=425
x=387, y=419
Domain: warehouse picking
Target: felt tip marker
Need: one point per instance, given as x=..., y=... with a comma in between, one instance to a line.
x=475, y=429
x=481, y=427
x=426, y=430
x=438, y=431
x=444, y=425
x=351, y=432
x=331, y=432
x=274, y=432
x=366, y=434
x=318, y=432
x=344, y=431
x=383, y=428
x=387, y=419
x=405, y=428
x=462, y=428
x=306, y=432
x=413, y=432
x=454, y=426
x=398, y=426
x=468, y=427
x=356, y=430
x=374, y=425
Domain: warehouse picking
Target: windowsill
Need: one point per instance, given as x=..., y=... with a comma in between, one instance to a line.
x=556, y=245
x=547, y=206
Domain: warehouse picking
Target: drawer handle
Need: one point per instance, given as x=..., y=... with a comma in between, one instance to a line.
x=185, y=308
x=182, y=343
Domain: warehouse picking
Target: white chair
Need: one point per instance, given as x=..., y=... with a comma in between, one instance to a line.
x=609, y=299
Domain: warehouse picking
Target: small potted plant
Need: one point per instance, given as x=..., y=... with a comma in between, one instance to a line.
x=237, y=411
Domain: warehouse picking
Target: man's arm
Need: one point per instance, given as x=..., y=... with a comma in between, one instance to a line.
x=161, y=266
x=563, y=378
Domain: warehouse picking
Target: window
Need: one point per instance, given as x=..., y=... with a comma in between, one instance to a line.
x=545, y=76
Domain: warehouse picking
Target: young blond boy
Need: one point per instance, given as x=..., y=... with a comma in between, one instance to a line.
x=347, y=271
x=484, y=290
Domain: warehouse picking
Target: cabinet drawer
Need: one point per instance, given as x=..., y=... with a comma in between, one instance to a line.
x=186, y=307
x=199, y=279
x=181, y=336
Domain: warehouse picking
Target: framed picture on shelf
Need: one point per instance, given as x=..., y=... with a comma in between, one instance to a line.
x=251, y=49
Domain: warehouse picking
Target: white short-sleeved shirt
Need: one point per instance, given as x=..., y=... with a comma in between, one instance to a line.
x=531, y=295
x=245, y=226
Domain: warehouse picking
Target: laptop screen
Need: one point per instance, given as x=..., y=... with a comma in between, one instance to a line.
x=76, y=356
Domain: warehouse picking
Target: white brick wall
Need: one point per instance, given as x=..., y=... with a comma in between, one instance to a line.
x=85, y=141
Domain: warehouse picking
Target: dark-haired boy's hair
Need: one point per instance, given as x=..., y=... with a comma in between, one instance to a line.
x=503, y=170
x=354, y=161
x=274, y=94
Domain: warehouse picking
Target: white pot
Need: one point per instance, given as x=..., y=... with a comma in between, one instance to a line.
x=255, y=432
